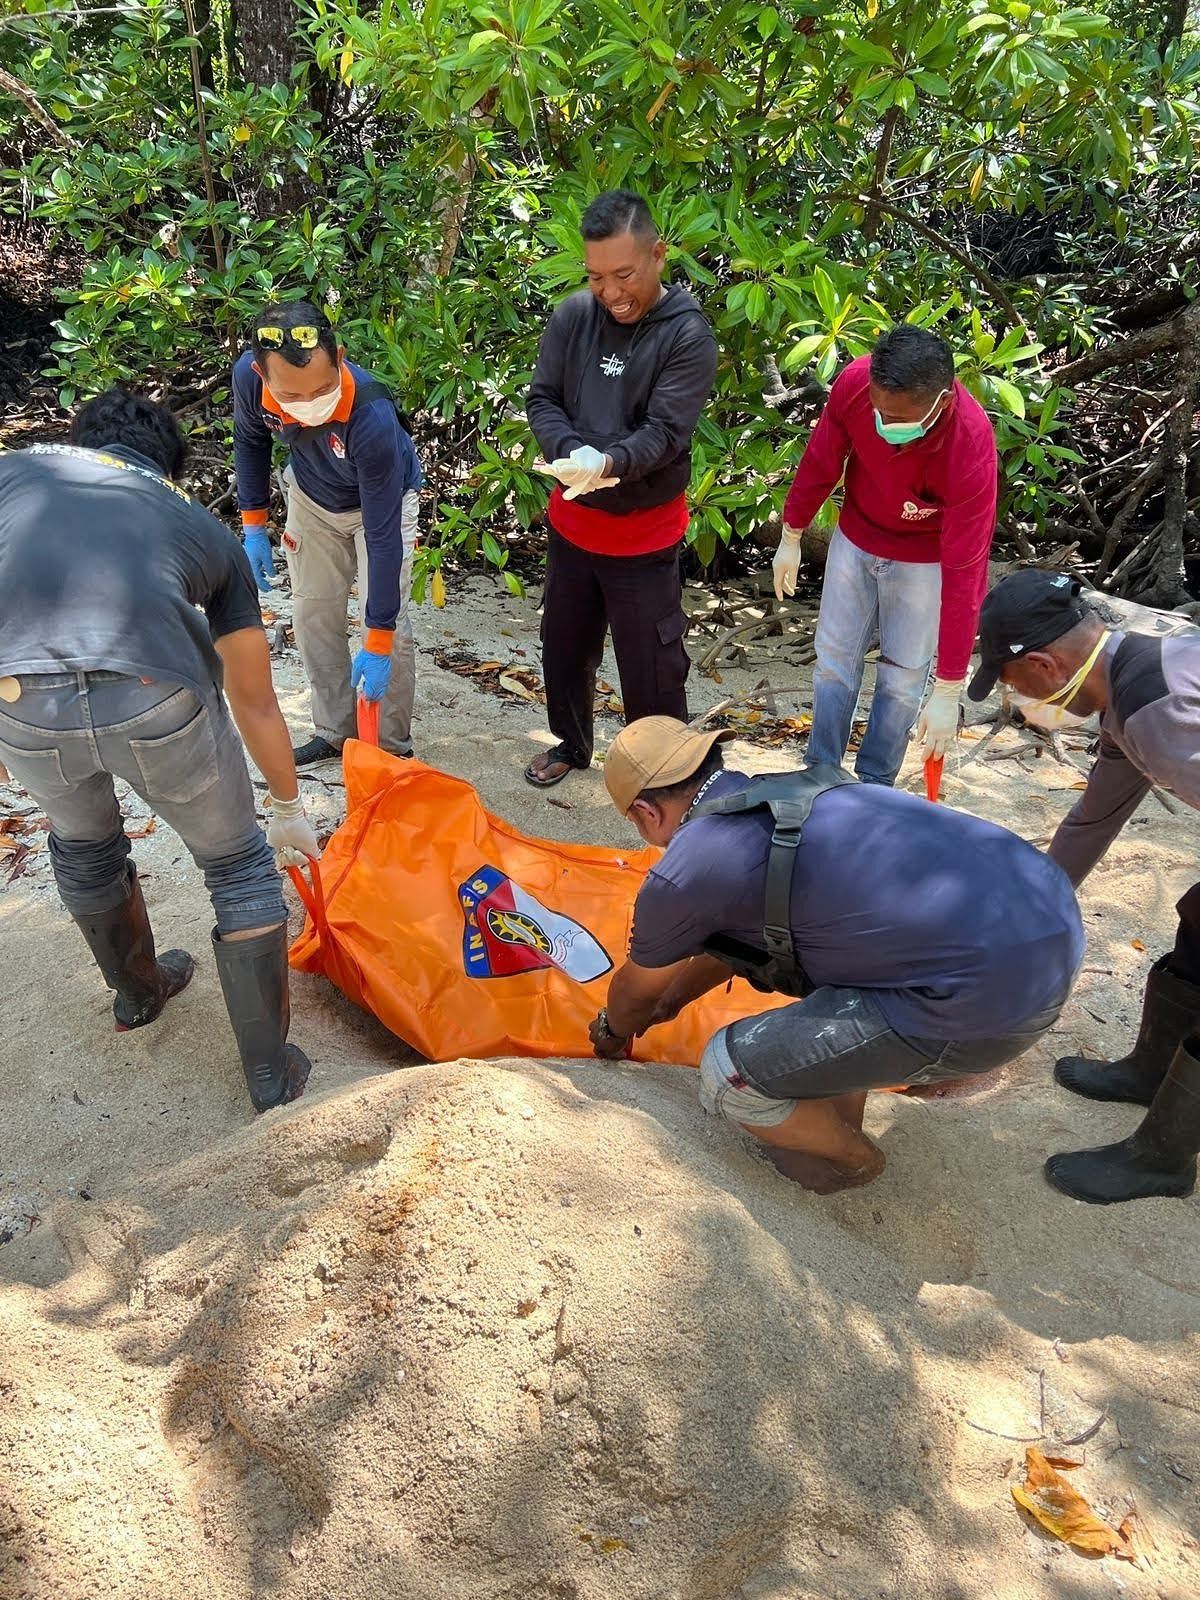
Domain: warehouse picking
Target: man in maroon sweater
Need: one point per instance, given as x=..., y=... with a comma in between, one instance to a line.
x=908, y=562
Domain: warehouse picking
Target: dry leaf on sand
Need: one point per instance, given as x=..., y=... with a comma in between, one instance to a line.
x=1063, y=1511
x=515, y=686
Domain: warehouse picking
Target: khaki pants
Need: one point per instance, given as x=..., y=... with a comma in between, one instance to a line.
x=326, y=553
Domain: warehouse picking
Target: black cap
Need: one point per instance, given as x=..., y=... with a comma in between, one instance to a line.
x=1023, y=612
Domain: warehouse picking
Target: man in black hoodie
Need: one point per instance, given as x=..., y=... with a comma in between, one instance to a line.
x=624, y=369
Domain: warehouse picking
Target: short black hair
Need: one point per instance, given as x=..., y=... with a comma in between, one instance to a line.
x=294, y=314
x=714, y=761
x=912, y=361
x=118, y=417
x=618, y=211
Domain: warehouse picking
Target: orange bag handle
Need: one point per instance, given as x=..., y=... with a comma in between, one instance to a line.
x=368, y=719
x=933, y=777
x=312, y=892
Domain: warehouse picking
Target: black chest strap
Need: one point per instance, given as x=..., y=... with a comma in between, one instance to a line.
x=789, y=796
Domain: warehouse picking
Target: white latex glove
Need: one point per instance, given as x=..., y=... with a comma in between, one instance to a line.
x=581, y=472
x=586, y=472
x=786, y=564
x=938, y=726
x=290, y=833
x=589, y=461
x=589, y=486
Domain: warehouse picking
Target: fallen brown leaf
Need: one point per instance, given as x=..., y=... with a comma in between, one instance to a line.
x=142, y=833
x=515, y=686
x=1063, y=1511
x=1137, y=944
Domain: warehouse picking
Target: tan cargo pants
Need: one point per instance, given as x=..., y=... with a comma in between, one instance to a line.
x=326, y=553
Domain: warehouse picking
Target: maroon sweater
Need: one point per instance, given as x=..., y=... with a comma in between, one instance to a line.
x=934, y=500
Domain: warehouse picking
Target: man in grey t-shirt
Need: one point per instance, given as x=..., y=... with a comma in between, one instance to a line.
x=1060, y=665
x=129, y=620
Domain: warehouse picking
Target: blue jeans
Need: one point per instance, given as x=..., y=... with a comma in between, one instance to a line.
x=864, y=597
x=69, y=733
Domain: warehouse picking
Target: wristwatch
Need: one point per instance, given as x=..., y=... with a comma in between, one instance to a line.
x=602, y=1019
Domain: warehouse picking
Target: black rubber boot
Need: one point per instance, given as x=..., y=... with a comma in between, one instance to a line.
x=122, y=943
x=1170, y=1010
x=254, y=981
x=1159, y=1159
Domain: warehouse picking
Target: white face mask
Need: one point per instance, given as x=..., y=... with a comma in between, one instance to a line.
x=1048, y=718
x=312, y=413
x=1051, y=714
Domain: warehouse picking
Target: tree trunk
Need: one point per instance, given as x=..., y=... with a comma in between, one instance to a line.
x=264, y=48
x=1174, y=21
x=1170, y=587
x=263, y=43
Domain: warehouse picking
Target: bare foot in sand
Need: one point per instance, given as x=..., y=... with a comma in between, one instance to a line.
x=825, y=1177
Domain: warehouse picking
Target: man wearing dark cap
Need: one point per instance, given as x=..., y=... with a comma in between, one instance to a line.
x=1061, y=664
x=923, y=943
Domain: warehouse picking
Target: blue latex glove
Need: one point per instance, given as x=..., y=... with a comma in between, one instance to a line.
x=371, y=669
x=261, y=557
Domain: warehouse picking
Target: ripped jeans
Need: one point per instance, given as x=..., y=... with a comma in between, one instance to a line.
x=862, y=597
x=66, y=736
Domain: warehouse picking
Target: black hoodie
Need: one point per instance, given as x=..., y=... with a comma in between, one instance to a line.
x=633, y=391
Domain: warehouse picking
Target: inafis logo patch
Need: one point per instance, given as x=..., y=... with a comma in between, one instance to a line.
x=507, y=932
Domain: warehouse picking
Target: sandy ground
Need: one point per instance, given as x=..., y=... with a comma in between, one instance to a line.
x=542, y=1331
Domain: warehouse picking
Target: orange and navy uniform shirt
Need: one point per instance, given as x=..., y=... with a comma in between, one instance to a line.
x=361, y=459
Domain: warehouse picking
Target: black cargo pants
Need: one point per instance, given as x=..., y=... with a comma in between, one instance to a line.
x=640, y=599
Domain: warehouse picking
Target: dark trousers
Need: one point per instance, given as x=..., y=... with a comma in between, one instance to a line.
x=640, y=599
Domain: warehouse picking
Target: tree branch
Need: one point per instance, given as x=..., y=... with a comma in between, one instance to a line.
x=1123, y=352
x=918, y=225
x=883, y=156
x=14, y=87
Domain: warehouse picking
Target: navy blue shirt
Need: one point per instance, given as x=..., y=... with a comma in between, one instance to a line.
x=958, y=929
x=363, y=460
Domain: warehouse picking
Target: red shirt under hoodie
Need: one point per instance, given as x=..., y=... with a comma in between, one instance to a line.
x=933, y=500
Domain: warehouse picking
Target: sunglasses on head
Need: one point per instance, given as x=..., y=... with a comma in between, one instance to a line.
x=305, y=337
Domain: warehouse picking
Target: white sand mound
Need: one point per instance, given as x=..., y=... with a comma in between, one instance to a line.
x=493, y=1330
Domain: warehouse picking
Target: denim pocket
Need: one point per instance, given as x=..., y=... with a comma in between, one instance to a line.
x=178, y=766
x=39, y=772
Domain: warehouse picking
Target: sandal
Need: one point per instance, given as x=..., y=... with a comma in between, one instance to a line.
x=539, y=766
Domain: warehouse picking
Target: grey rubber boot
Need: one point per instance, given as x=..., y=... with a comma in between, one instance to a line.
x=254, y=981
x=1158, y=1159
x=1170, y=1010
x=122, y=943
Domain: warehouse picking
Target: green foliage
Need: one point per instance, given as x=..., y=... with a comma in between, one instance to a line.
x=820, y=171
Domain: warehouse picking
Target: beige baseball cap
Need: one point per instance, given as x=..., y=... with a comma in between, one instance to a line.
x=652, y=753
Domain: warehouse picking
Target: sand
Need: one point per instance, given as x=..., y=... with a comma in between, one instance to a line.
x=509, y=1329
